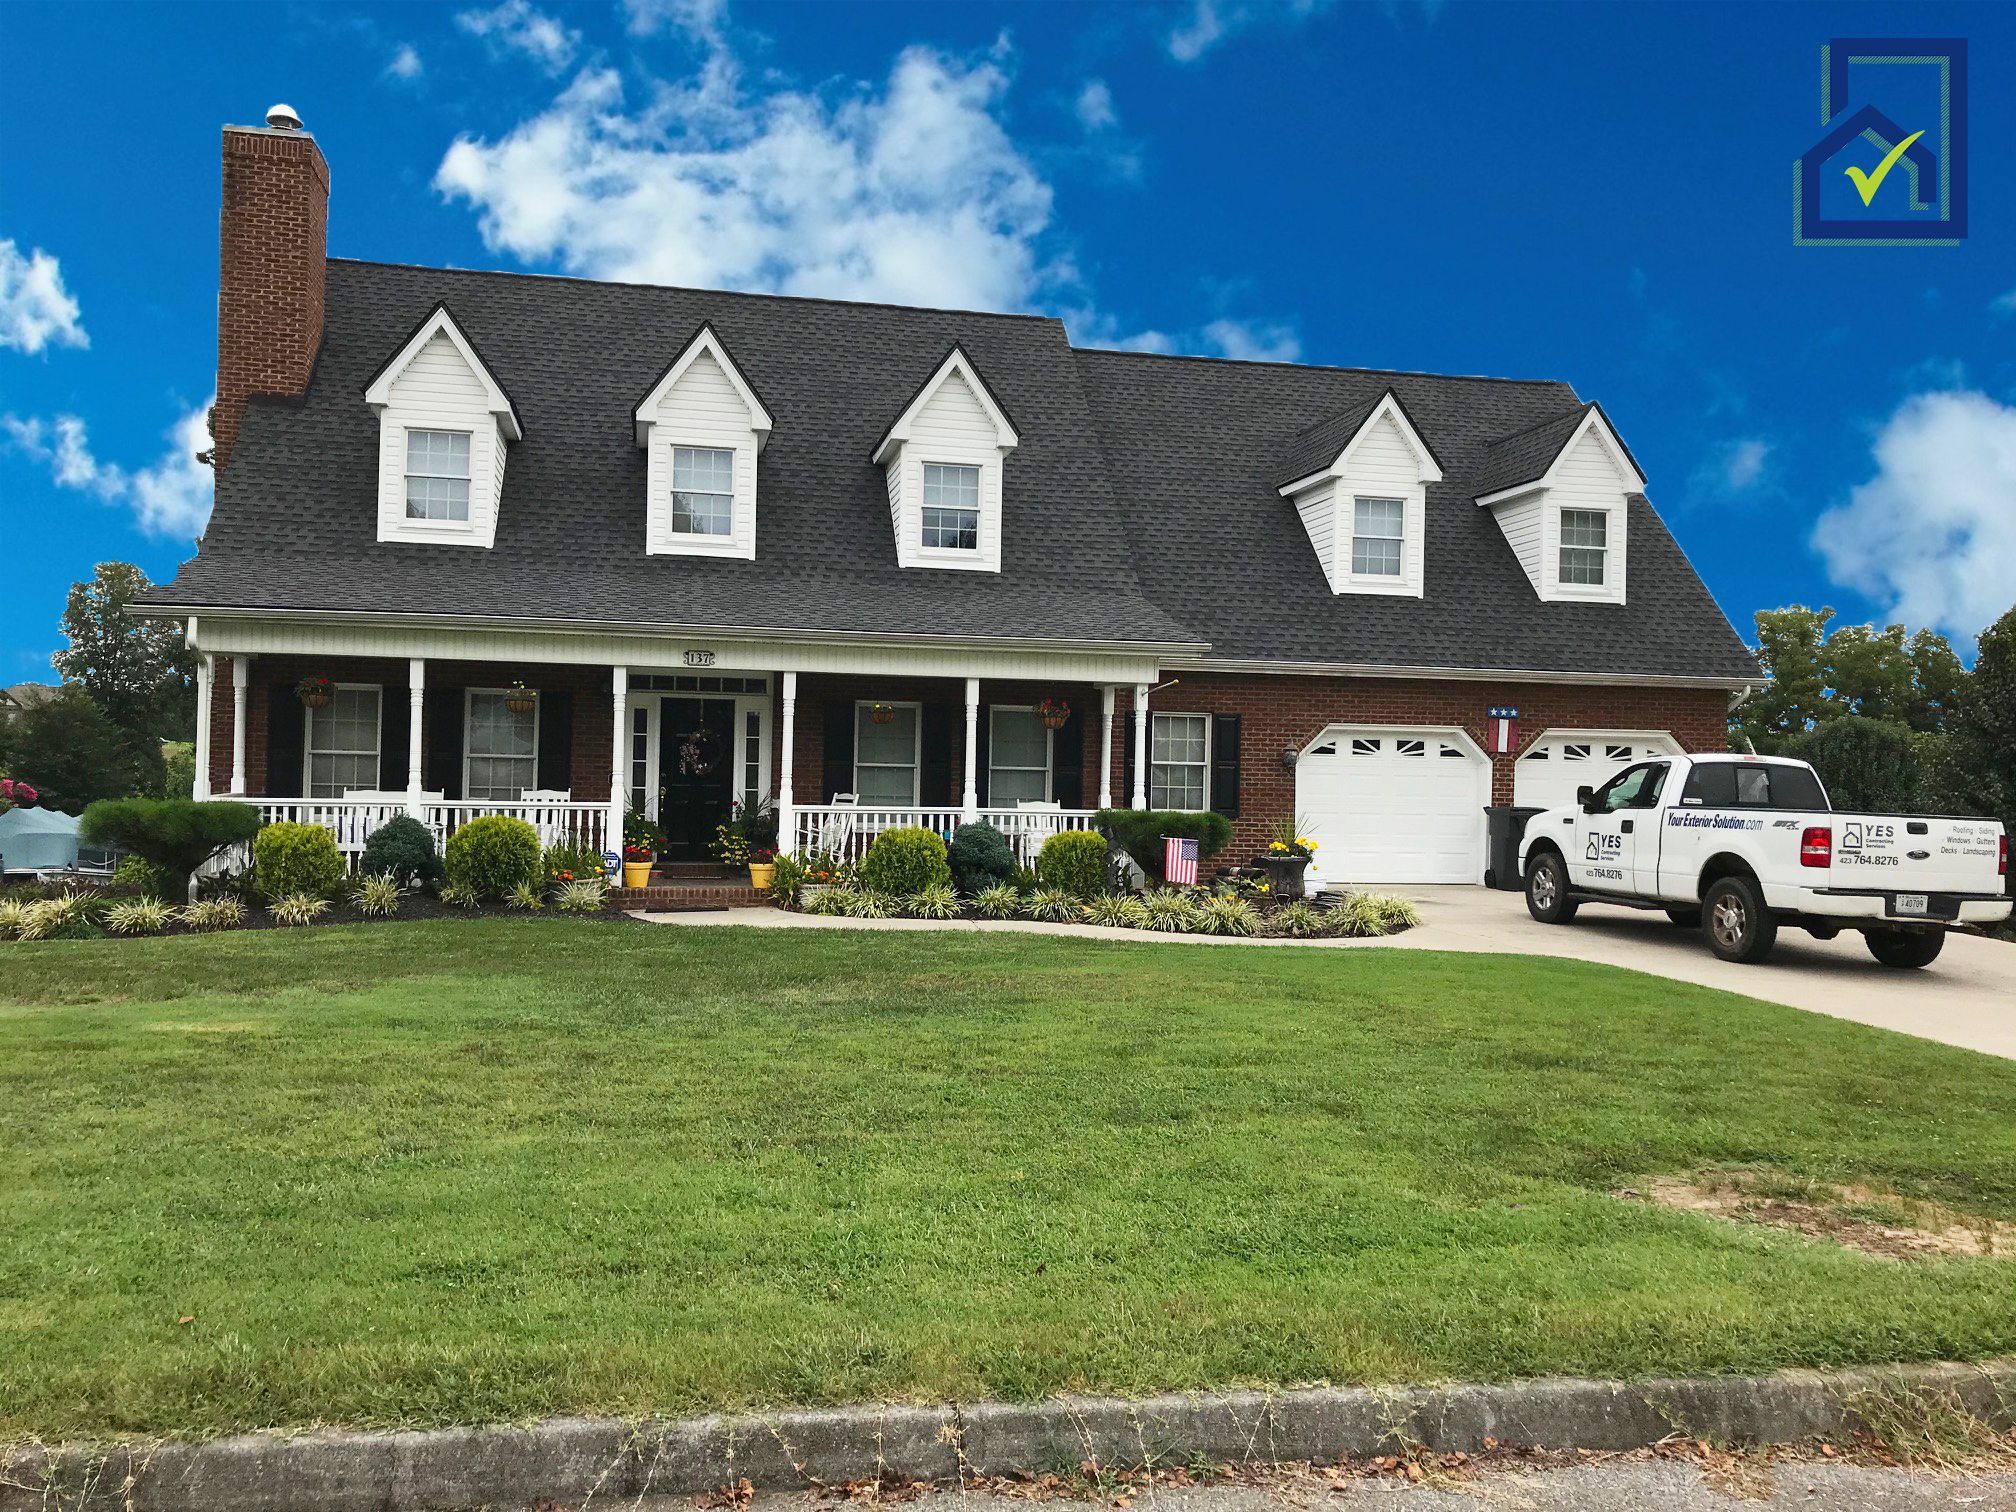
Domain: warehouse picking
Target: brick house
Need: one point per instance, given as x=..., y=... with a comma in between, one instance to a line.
x=565, y=548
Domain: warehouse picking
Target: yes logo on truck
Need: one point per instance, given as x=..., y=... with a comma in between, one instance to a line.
x=1864, y=843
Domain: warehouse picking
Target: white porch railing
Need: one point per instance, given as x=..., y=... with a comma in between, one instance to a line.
x=845, y=830
x=352, y=821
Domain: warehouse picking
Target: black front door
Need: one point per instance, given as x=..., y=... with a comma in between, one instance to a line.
x=696, y=773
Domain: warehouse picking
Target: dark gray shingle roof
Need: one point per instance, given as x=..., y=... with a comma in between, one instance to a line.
x=1524, y=456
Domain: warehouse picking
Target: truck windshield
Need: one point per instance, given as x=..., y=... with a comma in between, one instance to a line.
x=1734, y=784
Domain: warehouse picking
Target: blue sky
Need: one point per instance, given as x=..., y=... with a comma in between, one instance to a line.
x=1595, y=193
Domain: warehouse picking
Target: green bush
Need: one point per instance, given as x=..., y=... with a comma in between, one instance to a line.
x=980, y=858
x=402, y=849
x=494, y=855
x=1140, y=833
x=297, y=860
x=175, y=834
x=905, y=861
x=144, y=877
x=1074, y=861
x=1867, y=764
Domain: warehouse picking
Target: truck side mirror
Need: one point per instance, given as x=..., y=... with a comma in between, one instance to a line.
x=1582, y=796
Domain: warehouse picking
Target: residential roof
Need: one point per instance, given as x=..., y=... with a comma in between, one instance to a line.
x=1525, y=455
x=1322, y=443
x=1139, y=506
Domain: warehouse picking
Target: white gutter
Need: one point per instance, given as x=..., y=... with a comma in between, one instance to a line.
x=1441, y=674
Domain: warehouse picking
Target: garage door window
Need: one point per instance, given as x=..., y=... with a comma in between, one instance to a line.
x=1179, y=761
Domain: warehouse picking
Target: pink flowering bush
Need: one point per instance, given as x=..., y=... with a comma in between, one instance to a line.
x=16, y=795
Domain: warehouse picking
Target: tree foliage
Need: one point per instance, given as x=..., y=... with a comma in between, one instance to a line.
x=175, y=834
x=1867, y=764
x=139, y=671
x=1857, y=670
x=69, y=751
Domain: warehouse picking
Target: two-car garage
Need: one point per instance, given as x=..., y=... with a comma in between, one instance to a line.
x=1397, y=804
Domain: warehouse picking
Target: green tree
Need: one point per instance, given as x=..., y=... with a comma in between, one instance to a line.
x=1939, y=681
x=1857, y=670
x=139, y=671
x=1790, y=648
x=68, y=750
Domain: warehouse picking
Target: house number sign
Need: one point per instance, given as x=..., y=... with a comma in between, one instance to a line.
x=699, y=658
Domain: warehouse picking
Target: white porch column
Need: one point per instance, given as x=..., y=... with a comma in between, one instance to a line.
x=969, y=802
x=1140, y=746
x=241, y=682
x=619, y=734
x=206, y=681
x=416, y=704
x=787, y=809
x=1106, y=746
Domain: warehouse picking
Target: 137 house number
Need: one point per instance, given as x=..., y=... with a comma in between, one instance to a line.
x=699, y=658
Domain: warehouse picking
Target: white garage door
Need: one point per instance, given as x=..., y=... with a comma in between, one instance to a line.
x=1563, y=760
x=1388, y=804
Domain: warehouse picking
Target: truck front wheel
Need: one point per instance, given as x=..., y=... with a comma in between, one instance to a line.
x=1735, y=922
x=1905, y=947
x=1547, y=890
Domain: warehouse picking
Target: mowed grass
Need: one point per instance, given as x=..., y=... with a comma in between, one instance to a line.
x=487, y=1170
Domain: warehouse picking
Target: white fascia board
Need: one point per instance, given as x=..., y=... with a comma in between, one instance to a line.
x=704, y=340
x=956, y=361
x=379, y=394
x=1427, y=470
x=1619, y=457
x=1178, y=663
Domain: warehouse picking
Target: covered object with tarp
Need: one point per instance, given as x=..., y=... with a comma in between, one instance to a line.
x=37, y=839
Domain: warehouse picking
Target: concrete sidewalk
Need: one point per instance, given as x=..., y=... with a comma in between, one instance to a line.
x=1966, y=998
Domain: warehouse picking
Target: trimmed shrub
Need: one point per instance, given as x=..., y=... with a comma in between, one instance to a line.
x=980, y=858
x=402, y=849
x=904, y=861
x=1140, y=833
x=297, y=859
x=1074, y=861
x=494, y=855
x=175, y=834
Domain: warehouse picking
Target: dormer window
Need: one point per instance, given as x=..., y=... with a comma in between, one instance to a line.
x=951, y=507
x=1562, y=492
x=1359, y=482
x=437, y=475
x=1584, y=533
x=700, y=489
x=703, y=491
x=1379, y=527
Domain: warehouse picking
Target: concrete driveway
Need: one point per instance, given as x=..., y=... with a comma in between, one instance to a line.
x=1967, y=997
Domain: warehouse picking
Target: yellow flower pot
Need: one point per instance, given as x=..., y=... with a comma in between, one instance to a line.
x=636, y=873
x=760, y=877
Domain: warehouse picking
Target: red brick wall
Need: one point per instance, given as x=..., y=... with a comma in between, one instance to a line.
x=272, y=248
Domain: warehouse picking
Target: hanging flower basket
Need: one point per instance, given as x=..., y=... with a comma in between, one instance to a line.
x=882, y=713
x=520, y=699
x=315, y=692
x=1054, y=712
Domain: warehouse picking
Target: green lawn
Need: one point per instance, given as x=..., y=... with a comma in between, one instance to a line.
x=475, y=1170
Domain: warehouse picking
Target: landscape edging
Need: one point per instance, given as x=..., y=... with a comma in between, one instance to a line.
x=579, y=1462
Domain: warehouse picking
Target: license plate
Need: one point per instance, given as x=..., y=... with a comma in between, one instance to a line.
x=1911, y=903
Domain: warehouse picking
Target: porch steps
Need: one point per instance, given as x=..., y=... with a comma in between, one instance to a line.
x=700, y=892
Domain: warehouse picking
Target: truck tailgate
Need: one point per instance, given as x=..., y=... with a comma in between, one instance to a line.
x=1901, y=854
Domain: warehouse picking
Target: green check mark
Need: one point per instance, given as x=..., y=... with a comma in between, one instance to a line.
x=1867, y=185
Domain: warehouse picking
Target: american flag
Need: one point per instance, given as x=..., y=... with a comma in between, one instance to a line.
x=1179, y=862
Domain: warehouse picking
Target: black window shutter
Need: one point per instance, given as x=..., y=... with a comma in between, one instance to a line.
x=286, y=737
x=556, y=742
x=1067, y=763
x=839, y=751
x=442, y=747
x=1225, y=765
x=396, y=720
x=934, y=781
x=1124, y=796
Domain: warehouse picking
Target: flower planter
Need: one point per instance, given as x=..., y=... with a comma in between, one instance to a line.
x=1285, y=877
x=882, y=714
x=760, y=876
x=521, y=705
x=636, y=873
x=1057, y=721
x=315, y=700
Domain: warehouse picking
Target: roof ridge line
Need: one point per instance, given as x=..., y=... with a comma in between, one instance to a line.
x=1581, y=409
x=1321, y=367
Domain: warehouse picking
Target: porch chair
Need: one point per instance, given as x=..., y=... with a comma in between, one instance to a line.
x=1031, y=832
x=838, y=829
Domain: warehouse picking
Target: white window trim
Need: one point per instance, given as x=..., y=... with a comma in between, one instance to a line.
x=1611, y=589
x=1049, y=753
x=861, y=708
x=745, y=705
x=658, y=432
x=955, y=553
x=723, y=538
x=1411, y=582
x=468, y=713
x=467, y=523
x=1413, y=507
x=1210, y=750
x=308, y=742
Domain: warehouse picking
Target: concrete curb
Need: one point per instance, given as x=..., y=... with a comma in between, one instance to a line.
x=583, y=1462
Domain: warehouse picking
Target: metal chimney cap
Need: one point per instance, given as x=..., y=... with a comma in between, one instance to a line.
x=282, y=118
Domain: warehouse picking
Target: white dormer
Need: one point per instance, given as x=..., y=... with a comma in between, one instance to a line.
x=443, y=421
x=943, y=456
x=702, y=428
x=1362, y=492
x=1568, y=525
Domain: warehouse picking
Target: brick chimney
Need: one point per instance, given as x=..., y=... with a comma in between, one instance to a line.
x=273, y=240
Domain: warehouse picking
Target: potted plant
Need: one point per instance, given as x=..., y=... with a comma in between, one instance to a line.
x=520, y=699
x=1287, y=859
x=637, y=861
x=822, y=870
x=882, y=713
x=16, y=795
x=315, y=692
x=1053, y=712
x=762, y=867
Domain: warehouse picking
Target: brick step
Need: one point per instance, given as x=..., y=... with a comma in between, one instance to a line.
x=711, y=871
x=689, y=895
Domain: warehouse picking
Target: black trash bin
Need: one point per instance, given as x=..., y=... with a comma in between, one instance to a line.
x=1505, y=828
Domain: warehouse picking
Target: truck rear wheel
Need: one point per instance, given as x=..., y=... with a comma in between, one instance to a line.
x=1735, y=922
x=1905, y=948
x=1547, y=890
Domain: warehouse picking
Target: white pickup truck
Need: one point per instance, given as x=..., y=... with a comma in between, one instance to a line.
x=1738, y=845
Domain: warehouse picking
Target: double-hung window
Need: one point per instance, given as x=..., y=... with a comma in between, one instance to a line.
x=1377, y=528
x=1179, y=761
x=437, y=475
x=885, y=754
x=342, y=741
x=1018, y=758
x=1584, y=546
x=951, y=507
x=703, y=490
x=503, y=749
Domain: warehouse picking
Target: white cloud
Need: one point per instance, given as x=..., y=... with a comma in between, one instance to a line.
x=518, y=25
x=405, y=62
x=1199, y=34
x=2004, y=304
x=1933, y=535
x=1253, y=341
x=699, y=18
x=35, y=308
x=1734, y=470
x=171, y=498
x=1744, y=464
x=1095, y=106
x=1210, y=22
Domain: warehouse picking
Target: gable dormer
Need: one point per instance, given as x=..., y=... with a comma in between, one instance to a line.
x=702, y=428
x=443, y=423
x=1359, y=481
x=943, y=458
x=1561, y=493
